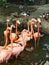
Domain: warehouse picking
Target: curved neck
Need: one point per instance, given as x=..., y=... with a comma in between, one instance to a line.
x=6, y=40
x=6, y=35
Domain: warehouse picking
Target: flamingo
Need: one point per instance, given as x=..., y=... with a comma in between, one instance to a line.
x=27, y=33
x=30, y=22
x=18, y=48
x=36, y=35
x=14, y=36
x=30, y=32
x=21, y=48
x=6, y=34
x=5, y=53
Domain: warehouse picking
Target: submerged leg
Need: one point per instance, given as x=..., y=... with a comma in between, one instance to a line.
x=6, y=61
x=35, y=43
x=16, y=55
x=38, y=42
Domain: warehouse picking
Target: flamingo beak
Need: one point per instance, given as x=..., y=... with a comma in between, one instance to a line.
x=7, y=20
x=33, y=20
x=40, y=16
x=35, y=25
x=13, y=25
x=39, y=20
x=18, y=21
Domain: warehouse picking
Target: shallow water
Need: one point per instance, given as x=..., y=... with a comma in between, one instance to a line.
x=26, y=57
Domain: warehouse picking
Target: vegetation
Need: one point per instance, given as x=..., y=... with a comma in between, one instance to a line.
x=2, y=2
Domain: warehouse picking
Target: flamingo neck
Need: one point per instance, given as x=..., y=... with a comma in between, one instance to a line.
x=32, y=30
x=11, y=38
x=6, y=41
x=6, y=36
x=38, y=27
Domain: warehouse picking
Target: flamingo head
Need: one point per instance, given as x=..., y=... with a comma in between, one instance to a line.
x=24, y=30
x=18, y=21
x=12, y=26
x=39, y=20
x=7, y=20
x=33, y=20
x=35, y=26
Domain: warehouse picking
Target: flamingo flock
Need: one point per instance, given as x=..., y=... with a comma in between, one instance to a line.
x=18, y=41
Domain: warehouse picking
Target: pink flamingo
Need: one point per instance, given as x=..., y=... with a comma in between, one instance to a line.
x=27, y=33
x=18, y=48
x=30, y=23
x=6, y=34
x=14, y=36
x=33, y=20
x=36, y=35
x=5, y=53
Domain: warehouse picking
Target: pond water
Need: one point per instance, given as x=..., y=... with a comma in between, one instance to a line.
x=29, y=58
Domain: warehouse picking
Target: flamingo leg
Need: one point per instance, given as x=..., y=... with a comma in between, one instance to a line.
x=35, y=43
x=38, y=42
x=12, y=44
x=6, y=61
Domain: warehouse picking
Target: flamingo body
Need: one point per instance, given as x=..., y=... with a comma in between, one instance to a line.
x=1, y=47
x=5, y=54
x=17, y=48
x=6, y=32
x=36, y=35
x=26, y=34
x=13, y=36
